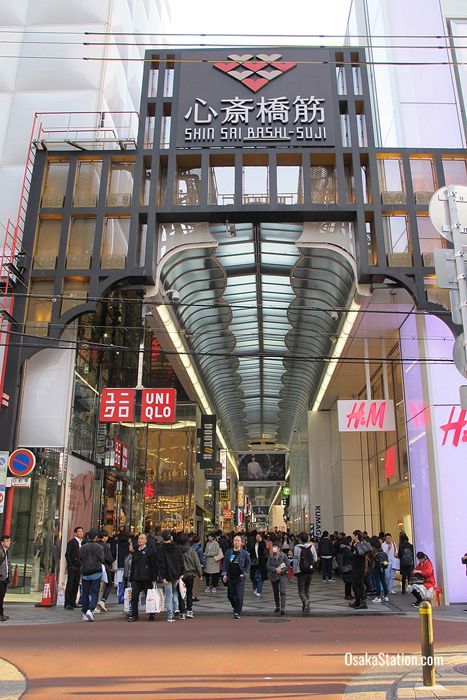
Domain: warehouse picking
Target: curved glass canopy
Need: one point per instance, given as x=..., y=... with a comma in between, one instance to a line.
x=256, y=314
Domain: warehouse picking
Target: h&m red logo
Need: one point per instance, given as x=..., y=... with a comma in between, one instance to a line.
x=255, y=71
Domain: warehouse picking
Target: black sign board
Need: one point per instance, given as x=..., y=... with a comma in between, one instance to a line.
x=250, y=97
x=208, y=444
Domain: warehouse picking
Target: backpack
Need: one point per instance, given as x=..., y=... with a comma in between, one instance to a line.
x=406, y=558
x=305, y=563
x=381, y=559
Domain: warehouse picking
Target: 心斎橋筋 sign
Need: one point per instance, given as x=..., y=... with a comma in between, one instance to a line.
x=255, y=97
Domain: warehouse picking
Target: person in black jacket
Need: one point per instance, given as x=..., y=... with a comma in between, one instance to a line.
x=91, y=556
x=73, y=568
x=258, y=569
x=346, y=566
x=360, y=549
x=142, y=574
x=406, y=559
x=171, y=568
x=325, y=554
x=108, y=561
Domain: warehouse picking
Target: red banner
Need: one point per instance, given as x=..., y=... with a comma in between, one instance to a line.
x=117, y=405
x=158, y=405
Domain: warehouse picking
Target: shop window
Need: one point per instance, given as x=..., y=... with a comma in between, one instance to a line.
x=47, y=244
x=391, y=180
x=455, y=171
x=87, y=183
x=145, y=186
x=188, y=181
x=423, y=179
x=75, y=292
x=345, y=130
x=397, y=240
x=166, y=125
x=120, y=183
x=323, y=180
x=115, y=243
x=162, y=182
x=429, y=240
x=141, y=245
x=371, y=243
x=221, y=180
x=366, y=183
x=357, y=80
x=255, y=186
x=361, y=130
x=169, y=80
x=153, y=80
x=39, y=311
x=341, y=80
x=80, y=243
x=349, y=180
x=149, y=128
x=56, y=178
x=289, y=179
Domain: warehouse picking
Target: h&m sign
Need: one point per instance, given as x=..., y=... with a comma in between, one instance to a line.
x=366, y=416
x=255, y=98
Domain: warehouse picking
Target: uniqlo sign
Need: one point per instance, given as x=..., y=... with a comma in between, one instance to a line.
x=158, y=405
x=117, y=405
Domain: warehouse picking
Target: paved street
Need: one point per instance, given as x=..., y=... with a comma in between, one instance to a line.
x=215, y=656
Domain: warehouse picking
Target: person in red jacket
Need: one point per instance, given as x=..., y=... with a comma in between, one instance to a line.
x=423, y=590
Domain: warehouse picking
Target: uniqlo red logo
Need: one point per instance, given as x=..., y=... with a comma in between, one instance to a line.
x=158, y=405
x=117, y=405
x=118, y=447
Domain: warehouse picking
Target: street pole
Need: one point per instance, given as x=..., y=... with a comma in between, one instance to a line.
x=426, y=630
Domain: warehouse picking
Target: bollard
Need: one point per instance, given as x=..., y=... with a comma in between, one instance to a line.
x=426, y=629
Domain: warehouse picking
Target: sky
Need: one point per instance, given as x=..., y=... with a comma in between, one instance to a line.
x=262, y=17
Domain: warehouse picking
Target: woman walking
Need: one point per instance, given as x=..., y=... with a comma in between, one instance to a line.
x=277, y=566
x=258, y=570
x=213, y=556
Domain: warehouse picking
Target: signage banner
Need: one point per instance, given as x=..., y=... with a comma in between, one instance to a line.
x=4, y=457
x=19, y=482
x=224, y=494
x=208, y=443
x=2, y=497
x=213, y=473
x=262, y=466
x=118, y=449
x=315, y=525
x=117, y=405
x=261, y=511
x=366, y=416
x=259, y=97
x=158, y=405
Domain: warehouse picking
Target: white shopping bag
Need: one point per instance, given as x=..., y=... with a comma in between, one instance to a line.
x=151, y=601
x=127, y=600
x=182, y=588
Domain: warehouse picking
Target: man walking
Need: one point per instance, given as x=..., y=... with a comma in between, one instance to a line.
x=143, y=573
x=91, y=556
x=108, y=561
x=389, y=548
x=170, y=566
x=236, y=568
x=5, y=570
x=73, y=568
x=304, y=559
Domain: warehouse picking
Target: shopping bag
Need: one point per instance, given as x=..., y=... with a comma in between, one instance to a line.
x=151, y=601
x=182, y=588
x=159, y=597
x=127, y=600
x=120, y=592
x=104, y=578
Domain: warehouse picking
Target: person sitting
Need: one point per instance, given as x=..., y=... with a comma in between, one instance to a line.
x=424, y=580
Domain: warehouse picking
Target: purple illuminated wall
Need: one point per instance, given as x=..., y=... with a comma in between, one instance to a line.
x=434, y=415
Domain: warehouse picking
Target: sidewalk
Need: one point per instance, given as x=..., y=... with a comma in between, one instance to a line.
x=327, y=600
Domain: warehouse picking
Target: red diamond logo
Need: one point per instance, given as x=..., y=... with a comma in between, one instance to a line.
x=254, y=72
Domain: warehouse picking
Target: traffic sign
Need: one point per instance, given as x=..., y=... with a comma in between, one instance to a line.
x=22, y=462
x=3, y=467
x=2, y=498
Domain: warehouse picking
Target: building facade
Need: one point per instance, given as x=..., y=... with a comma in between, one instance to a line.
x=259, y=249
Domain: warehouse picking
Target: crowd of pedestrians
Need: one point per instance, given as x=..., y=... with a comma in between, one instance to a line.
x=176, y=562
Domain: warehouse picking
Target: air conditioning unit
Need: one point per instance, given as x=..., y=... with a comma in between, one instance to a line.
x=393, y=197
x=119, y=200
x=84, y=200
x=400, y=259
x=78, y=262
x=45, y=262
x=428, y=259
x=114, y=261
x=423, y=197
x=52, y=200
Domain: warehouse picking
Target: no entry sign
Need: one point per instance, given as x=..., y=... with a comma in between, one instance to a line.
x=22, y=462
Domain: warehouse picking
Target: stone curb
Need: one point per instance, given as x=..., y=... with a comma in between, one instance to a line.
x=12, y=681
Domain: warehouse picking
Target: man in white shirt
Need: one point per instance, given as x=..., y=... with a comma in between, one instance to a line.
x=5, y=569
x=389, y=548
x=253, y=469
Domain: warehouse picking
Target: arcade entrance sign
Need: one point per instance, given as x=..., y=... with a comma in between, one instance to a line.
x=255, y=99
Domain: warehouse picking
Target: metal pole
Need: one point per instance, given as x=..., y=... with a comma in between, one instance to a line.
x=457, y=235
x=426, y=631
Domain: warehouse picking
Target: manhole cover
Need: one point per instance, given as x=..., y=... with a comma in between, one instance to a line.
x=273, y=622
x=461, y=668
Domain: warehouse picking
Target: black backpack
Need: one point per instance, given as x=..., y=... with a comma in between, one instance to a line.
x=381, y=559
x=305, y=563
x=406, y=558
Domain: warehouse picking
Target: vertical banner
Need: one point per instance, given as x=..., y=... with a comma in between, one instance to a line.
x=4, y=456
x=207, y=451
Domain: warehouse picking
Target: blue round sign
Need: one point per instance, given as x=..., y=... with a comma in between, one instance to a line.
x=22, y=462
